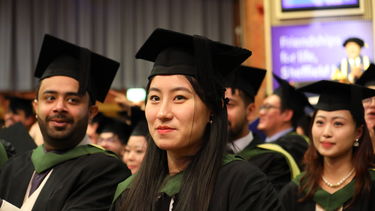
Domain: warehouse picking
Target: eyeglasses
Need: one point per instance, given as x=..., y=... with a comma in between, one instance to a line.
x=110, y=140
x=267, y=107
x=368, y=101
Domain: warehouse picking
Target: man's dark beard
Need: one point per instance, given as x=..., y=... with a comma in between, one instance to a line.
x=68, y=140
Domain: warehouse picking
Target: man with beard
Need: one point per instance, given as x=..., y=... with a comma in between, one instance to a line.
x=241, y=89
x=65, y=173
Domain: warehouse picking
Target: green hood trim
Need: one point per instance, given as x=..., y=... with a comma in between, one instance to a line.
x=43, y=160
x=331, y=202
x=171, y=184
x=307, y=139
x=227, y=158
x=248, y=154
x=3, y=155
x=122, y=186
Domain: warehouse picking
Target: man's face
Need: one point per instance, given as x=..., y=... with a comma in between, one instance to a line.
x=62, y=114
x=238, y=115
x=352, y=49
x=8, y=119
x=18, y=116
x=369, y=106
x=111, y=142
x=270, y=115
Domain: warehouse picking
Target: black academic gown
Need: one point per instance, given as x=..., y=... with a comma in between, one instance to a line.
x=273, y=164
x=256, y=140
x=3, y=155
x=289, y=196
x=295, y=144
x=85, y=183
x=240, y=186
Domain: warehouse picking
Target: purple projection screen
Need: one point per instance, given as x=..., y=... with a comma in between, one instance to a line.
x=303, y=53
x=313, y=4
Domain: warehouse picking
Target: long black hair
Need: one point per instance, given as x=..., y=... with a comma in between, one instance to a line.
x=198, y=178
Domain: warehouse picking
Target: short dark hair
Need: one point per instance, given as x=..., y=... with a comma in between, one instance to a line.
x=247, y=99
x=91, y=99
x=16, y=104
x=297, y=112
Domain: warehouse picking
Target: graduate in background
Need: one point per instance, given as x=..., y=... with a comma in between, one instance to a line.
x=352, y=67
x=278, y=119
x=368, y=80
x=19, y=110
x=65, y=173
x=338, y=164
x=113, y=136
x=185, y=167
x=241, y=88
x=135, y=148
x=94, y=123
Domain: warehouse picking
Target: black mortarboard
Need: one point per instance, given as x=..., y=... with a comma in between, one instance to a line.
x=177, y=53
x=290, y=97
x=121, y=129
x=339, y=96
x=247, y=79
x=354, y=39
x=18, y=136
x=208, y=61
x=94, y=72
x=368, y=77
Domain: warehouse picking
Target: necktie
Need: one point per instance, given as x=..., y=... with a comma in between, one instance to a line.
x=36, y=180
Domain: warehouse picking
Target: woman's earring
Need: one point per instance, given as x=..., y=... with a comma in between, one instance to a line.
x=210, y=121
x=356, y=143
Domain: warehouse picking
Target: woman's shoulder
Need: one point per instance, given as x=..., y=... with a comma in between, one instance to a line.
x=235, y=163
x=122, y=186
x=240, y=170
x=246, y=187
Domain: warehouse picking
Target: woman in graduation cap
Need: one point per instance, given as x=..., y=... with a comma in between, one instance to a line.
x=184, y=167
x=338, y=174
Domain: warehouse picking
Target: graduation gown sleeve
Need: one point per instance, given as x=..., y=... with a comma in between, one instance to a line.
x=274, y=166
x=295, y=144
x=87, y=183
x=242, y=186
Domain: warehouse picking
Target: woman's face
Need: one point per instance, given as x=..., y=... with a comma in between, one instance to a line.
x=134, y=152
x=176, y=116
x=334, y=133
